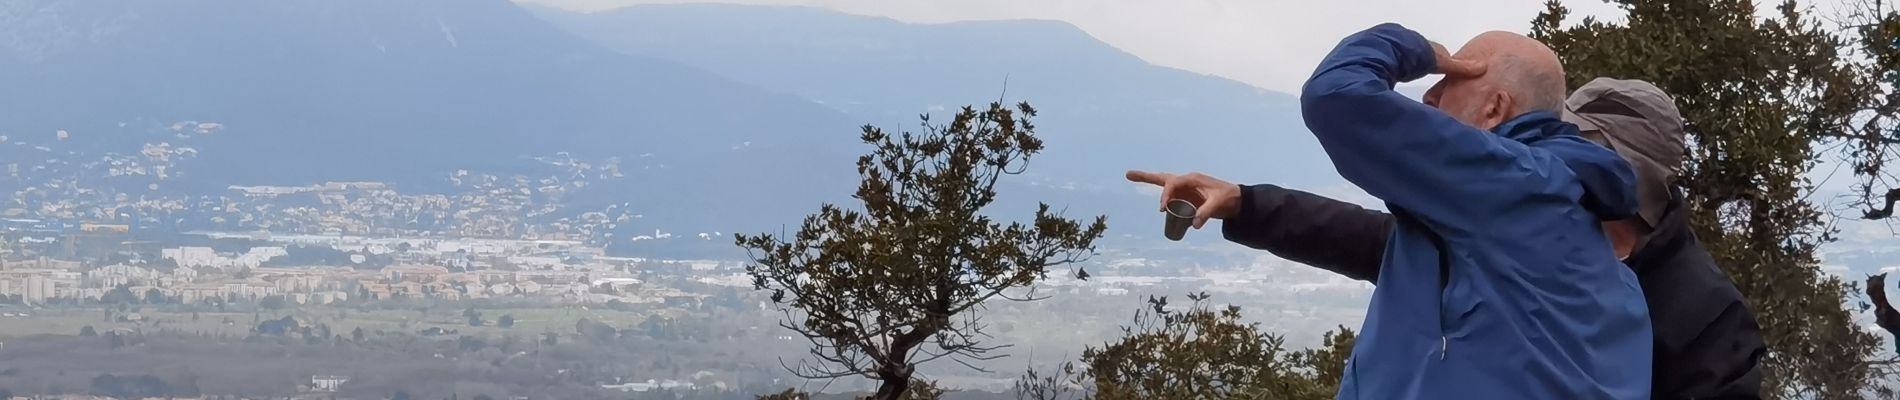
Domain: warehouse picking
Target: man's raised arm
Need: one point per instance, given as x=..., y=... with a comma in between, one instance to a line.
x=1411, y=155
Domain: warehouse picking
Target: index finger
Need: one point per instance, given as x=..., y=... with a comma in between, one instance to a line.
x=1152, y=178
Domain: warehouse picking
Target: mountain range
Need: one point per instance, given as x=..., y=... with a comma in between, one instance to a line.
x=404, y=91
x=1105, y=110
x=722, y=118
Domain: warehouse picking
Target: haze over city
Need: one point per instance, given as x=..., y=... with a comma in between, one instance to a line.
x=540, y=199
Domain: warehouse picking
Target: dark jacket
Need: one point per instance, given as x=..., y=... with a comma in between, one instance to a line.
x=1708, y=345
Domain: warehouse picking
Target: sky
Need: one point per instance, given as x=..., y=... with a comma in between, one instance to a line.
x=1273, y=44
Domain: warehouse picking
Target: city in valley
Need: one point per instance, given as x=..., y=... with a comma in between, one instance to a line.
x=610, y=199
x=449, y=296
x=490, y=199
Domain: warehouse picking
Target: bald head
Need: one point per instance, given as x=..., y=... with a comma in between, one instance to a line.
x=1522, y=75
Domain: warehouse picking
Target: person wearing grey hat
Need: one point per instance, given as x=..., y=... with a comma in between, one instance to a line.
x=1707, y=342
x=1648, y=133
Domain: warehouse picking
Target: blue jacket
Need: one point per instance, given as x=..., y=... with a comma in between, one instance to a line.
x=1498, y=281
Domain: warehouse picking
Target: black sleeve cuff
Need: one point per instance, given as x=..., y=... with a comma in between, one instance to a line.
x=1234, y=228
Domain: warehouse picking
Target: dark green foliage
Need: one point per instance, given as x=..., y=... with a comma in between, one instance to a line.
x=137, y=387
x=788, y=394
x=119, y=295
x=897, y=283
x=594, y=331
x=278, y=327
x=924, y=390
x=470, y=343
x=1201, y=352
x=919, y=390
x=1762, y=97
x=274, y=303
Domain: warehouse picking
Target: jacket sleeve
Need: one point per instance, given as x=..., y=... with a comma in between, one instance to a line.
x=1411, y=155
x=1742, y=361
x=1311, y=229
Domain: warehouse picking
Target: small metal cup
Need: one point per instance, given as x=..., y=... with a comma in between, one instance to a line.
x=1180, y=217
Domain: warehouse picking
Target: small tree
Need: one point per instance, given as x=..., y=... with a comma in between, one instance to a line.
x=788, y=394
x=120, y=295
x=87, y=331
x=474, y=317
x=879, y=290
x=506, y=321
x=274, y=303
x=924, y=390
x=357, y=335
x=595, y=331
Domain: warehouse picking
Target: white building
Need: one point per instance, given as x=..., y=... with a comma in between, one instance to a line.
x=196, y=257
x=191, y=257
x=38, y=289
x=328, y=383
x=115, y=275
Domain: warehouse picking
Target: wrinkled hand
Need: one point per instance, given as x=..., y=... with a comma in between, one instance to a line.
x=1212, y=198
x=1453, y=67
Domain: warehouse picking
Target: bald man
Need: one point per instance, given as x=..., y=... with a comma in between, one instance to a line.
x=1498, y=281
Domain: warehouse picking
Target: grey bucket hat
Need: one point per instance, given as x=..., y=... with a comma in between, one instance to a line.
x=1641, y=123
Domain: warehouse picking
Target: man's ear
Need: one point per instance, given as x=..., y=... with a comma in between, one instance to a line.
x=1498, y=108
x=1435, y=93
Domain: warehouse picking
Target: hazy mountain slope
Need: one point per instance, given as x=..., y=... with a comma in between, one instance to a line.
x=407, y=91
x=1104, y=110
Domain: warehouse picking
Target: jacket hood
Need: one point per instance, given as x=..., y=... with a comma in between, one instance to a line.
x=1609, y=185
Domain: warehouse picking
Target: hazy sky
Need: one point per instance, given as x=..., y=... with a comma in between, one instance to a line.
x=1272, y=44
x=1268, y=43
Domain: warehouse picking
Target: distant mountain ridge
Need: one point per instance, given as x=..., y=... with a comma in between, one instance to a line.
x=406, y=91
x=716, y=118
x=1104, y=110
